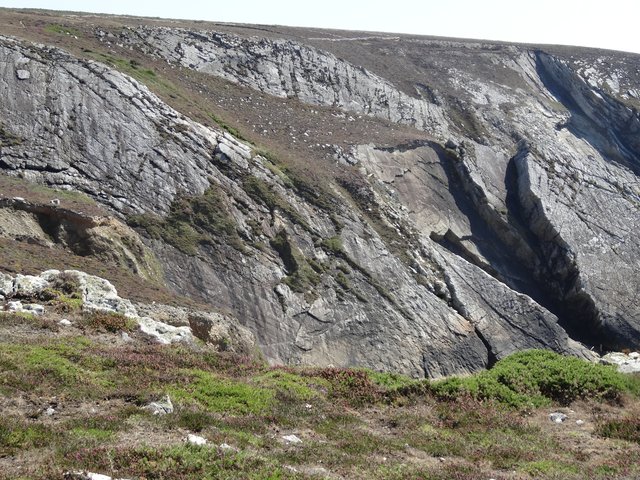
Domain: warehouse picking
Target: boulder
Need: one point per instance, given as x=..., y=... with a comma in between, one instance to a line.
x=625, y=362
x=6, y=285
x=223, y=332
x=28, y=285
x=164, y=333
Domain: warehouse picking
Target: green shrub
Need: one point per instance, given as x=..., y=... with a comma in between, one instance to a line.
x=261, y=191
x=391, y=381
x=178, y=462
x=8, y=139
x=537, y=377
x=193, y=420
x=334, y=245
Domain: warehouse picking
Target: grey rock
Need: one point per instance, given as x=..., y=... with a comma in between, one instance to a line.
x=227, y=447
x=23, y=74
x=512, y=226
x=6, y=284
x=506, y=320
x=65, y=322
x=286, y=68
x=85, y=475
x=163, y=333
x=17, y=306
x=291, y=439
x=195, y=440
x=28, y=285
x=225, y=333
x=626, y=363
x=164, y=407
x=557, y=417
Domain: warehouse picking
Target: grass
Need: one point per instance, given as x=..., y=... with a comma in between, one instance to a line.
x=8, y=139
x=133, y=68
x=62, y=29
x=262, y=192
x=348, y=419
x=43, y=368
x=216, y=394
x=227, y=128
x=191, y=221
x=302, y=273
x=36, y=193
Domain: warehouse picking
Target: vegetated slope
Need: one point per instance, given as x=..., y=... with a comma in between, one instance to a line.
x=422, y=205
x=77, y=385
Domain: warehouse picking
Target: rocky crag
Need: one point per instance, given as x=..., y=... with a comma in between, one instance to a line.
x=458, y=201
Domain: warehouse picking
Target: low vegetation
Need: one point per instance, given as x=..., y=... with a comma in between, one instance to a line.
x=193, y=220
x=352, y=423
x=537, y=378
x=302, y=273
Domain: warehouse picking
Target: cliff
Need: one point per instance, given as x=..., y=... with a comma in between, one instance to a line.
x=404, y=203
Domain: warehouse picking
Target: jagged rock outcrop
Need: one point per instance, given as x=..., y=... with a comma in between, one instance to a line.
x=511, y=226
x=163, y=323
x=287, y=69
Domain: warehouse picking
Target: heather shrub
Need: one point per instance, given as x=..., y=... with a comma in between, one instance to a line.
x=536, y=378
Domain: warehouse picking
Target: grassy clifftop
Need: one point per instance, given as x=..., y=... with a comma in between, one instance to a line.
x=72, y=399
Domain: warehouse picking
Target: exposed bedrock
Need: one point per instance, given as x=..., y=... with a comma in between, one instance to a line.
x=432, y=257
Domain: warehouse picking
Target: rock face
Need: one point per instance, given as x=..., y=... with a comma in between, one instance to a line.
x=507, y=223
x=285, y=68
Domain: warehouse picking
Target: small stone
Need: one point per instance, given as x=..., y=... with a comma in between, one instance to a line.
x=84, y=475
x=226, y=446
x=160, y=408
x=579, y=422
x=308, y=406
x=291, y=439
x=34, y=308
x=23, y=74
x=14, y=306
x=55, y=202
x=18, y=199
x=557, y=417
x=195, y=440
x=65, y=322
x=50, y=411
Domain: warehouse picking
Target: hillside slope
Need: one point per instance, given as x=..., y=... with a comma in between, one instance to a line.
x=421, y=205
